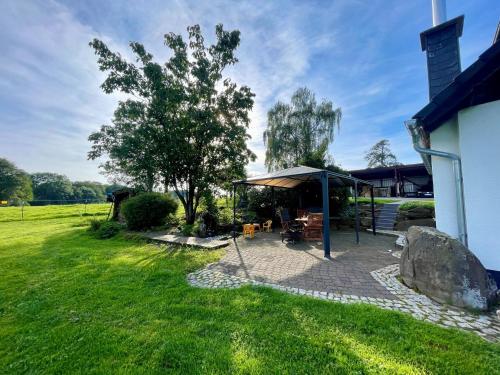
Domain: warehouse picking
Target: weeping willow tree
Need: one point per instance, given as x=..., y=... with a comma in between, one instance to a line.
x=300, y=132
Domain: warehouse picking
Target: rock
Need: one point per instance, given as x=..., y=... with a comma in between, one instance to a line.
x=442, y=268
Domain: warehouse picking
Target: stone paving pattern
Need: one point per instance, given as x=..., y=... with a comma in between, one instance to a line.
x=265, y=258
x=355, y=274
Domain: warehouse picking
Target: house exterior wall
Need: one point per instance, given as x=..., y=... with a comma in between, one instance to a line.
x=474, y=135
x=445, y=138
x=479, y=129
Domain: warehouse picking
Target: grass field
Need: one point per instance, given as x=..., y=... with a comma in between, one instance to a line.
x=70, y=303
x=28, y=213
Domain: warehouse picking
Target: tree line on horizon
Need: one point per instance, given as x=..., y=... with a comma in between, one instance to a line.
x=18, y=186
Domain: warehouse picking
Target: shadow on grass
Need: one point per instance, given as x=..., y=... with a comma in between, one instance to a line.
x=123, y=305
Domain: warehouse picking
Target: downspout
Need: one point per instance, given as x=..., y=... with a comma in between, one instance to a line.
x=421, y=145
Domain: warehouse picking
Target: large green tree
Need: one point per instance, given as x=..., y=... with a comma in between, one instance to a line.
x=184, y=125
x=88, y=190
x=299, y=131
x=14, y=182
x=380, y=155
x=51, y=187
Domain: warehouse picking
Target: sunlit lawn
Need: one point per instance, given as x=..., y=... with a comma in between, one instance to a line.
x=71, y=303
x=29, y=213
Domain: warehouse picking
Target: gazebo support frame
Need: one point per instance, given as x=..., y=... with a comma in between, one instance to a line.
x=310, y=173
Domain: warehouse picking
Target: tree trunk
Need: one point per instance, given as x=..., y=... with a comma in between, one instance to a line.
x=190, y=213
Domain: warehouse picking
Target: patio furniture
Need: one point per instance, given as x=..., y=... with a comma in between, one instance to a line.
x=248, y=230
x=267, y=226
x=321, y=181
x=313, y=229
x=286, y=222
x=290, y=231
x=257, y=226
x=301, y=212
x=292, y=235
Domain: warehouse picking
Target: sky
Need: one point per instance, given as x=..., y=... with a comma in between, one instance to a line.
x=364, y=56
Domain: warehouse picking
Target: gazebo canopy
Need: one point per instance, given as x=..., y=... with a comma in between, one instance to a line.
x=292, y=177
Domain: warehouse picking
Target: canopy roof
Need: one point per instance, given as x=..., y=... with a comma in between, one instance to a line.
x=292, y=177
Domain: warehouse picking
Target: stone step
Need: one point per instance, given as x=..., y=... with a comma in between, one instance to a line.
x=388, y=212
x=388, y=216
x=385, y=223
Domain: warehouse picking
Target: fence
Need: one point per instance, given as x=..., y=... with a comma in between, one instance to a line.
x=49, y=209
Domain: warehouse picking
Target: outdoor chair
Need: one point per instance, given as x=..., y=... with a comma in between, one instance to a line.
x=267, y=226
x=286, y=221
x=248, y=230
x=313, y=229
x=291, y=232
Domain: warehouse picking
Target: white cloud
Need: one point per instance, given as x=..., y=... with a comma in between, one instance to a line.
x=364, y=56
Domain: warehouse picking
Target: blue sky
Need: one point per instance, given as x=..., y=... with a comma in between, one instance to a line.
x=365, y=56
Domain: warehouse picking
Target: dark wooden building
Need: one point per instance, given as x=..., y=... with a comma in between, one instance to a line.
x=410, y=180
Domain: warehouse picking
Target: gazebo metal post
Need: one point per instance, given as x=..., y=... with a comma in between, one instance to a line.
x=373, y=211
x=234, y=210
x=326, y=214
x=273, y=205
x=356, y=209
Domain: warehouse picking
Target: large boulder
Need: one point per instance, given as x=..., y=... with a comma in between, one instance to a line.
x=442, y=268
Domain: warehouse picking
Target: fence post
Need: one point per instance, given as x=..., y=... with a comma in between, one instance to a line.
x=22, y=210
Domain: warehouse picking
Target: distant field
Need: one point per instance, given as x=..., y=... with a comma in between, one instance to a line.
x=52, y=211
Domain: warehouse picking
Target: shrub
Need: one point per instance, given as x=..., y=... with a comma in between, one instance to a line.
x=95, y=224
x=414, y=204
x=147, y=210
x=108, y=229
x=103, y=229
x=187, y=229
x=225, y=216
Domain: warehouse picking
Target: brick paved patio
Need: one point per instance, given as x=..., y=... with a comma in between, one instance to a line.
x=302, y=265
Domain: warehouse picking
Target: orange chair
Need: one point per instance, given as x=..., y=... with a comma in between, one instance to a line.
x=313, y=229
x=248, y=230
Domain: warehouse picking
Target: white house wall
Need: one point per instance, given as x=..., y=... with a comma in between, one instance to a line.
x=479, y=142
x=445, y=138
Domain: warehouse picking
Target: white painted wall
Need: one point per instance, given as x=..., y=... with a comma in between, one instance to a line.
x=445, y=138
x=474, y=135
x=479, y=129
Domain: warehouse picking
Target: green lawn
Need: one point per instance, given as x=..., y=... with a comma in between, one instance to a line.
x=414, y=204
x=70, y=303
x=28, y=213
x=364, y=200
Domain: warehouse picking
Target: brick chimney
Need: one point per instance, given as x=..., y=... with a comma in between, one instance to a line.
x=443, y=53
